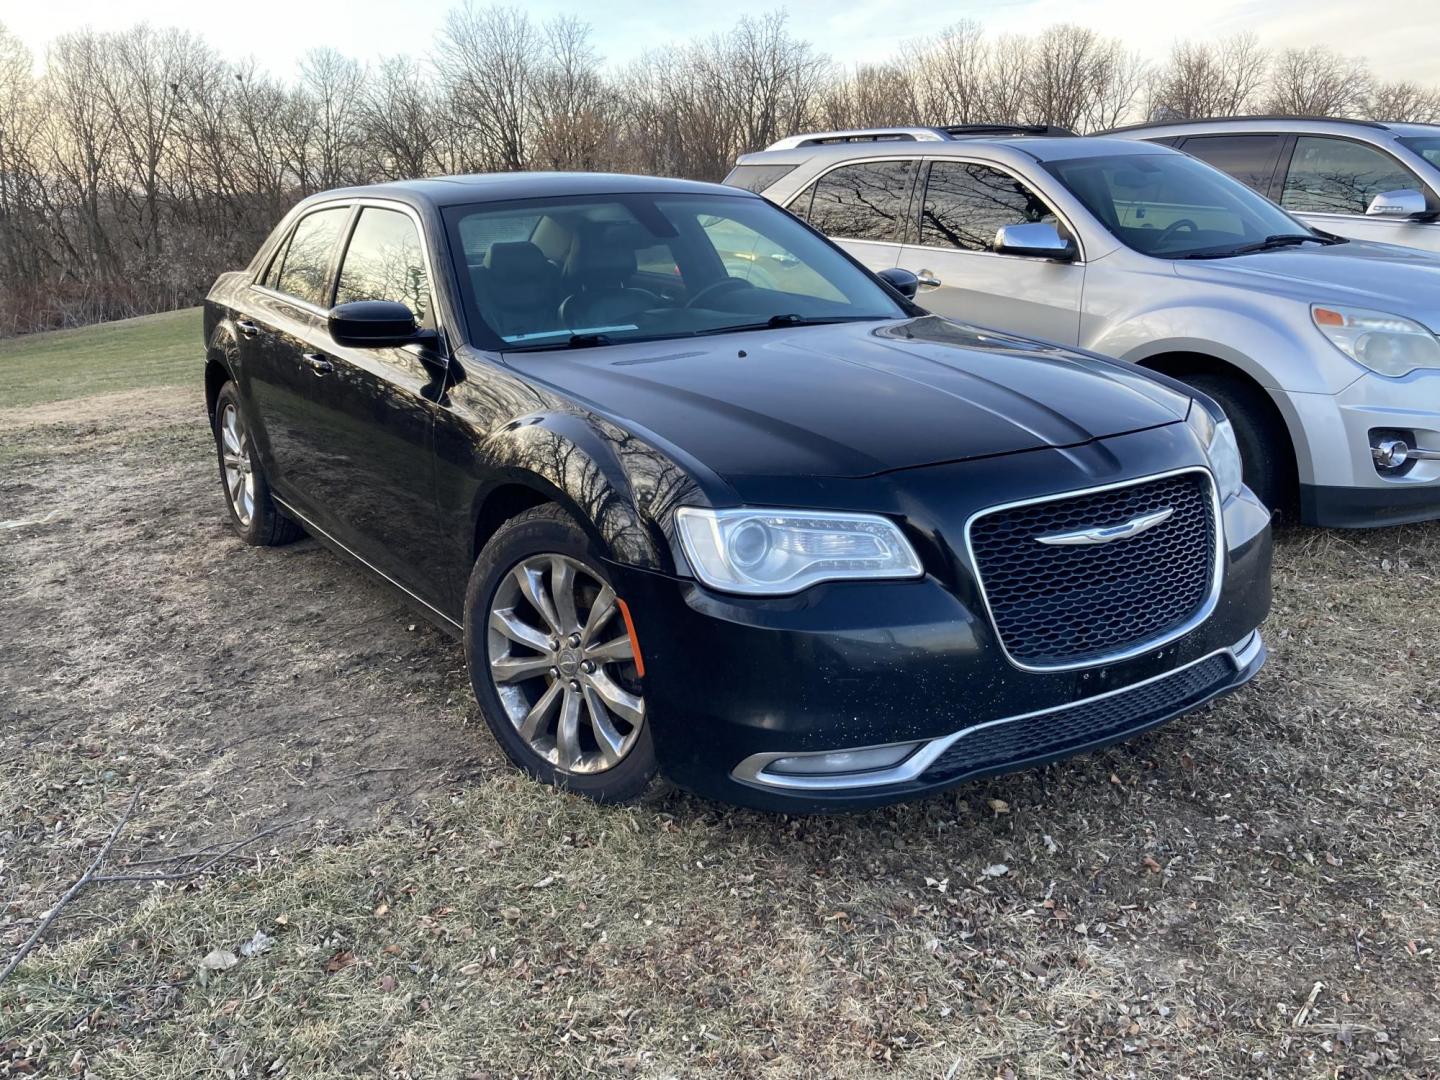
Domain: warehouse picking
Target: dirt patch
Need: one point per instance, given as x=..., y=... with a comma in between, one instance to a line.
x=1165, y=908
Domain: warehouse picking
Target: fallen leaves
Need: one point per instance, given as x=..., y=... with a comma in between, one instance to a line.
x=340, y=961
x=219, y=960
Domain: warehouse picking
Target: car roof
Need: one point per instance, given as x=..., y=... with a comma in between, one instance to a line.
x=1320, y=125
x=473, y=188
x=1011, y=148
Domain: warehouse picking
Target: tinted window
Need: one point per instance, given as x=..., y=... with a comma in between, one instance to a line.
x=305, y=270
x=1335, y=176
x=384, y=261
x=1427, y=147
x=1170, y=205
x=757, y=177
x=866, y=201
x=1248, y=158
x=965, y=204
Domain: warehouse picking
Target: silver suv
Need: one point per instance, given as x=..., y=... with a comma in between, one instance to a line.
x=1322, y=351
x=1357, y=178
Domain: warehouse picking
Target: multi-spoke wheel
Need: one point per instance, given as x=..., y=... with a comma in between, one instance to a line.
x=553, y=662
x=256, y=517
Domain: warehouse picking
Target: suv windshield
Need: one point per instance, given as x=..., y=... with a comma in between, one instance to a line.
x=1427, y=146
x=597, y=270
x=1173, y=207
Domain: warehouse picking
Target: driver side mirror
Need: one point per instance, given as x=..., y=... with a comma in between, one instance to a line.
x=902, y=281
x=1040, y=240
x=1405, y=203
x=375, y=324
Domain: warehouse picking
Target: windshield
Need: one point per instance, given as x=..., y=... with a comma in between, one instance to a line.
x=598, y=270
x=1172, y=206
x=1427, y=146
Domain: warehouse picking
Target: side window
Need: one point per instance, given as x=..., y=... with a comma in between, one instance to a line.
x=965, y=204
x=762, y=262
x=305, y=270
x=384, y=261
x=865, y=201
x=1249, y=158
x=1336, y=176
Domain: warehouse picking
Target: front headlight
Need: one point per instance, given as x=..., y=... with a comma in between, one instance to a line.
x=778, y=552
x=1220, y=447
x=1387, y=344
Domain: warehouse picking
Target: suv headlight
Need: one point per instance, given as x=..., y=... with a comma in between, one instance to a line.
x=778, y=552
x=1218, y=438
x=1386, y=344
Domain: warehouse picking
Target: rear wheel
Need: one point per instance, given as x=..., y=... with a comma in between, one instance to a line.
x=552, y=662
x=256, y=517
x=1265, y=454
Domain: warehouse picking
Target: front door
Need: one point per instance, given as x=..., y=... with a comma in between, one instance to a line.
x=1330, y=181
x=963, y=205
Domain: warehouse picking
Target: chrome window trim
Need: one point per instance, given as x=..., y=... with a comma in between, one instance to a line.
x=752, y=769
x=1217, y=577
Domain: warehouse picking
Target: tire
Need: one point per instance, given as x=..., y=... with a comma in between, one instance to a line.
x=255, y=516
x=578, y=727
x=1266, y=457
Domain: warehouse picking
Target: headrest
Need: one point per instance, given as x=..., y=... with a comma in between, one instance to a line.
x=603, y=253
x=516, y=257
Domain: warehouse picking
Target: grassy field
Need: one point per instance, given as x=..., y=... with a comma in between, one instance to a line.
x=153, y=350
x=1253, y=891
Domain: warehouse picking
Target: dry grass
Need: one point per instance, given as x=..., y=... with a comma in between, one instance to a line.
x=1168, y=909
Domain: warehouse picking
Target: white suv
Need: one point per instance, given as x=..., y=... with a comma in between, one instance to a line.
x=1322, y=351
x=1357, y=178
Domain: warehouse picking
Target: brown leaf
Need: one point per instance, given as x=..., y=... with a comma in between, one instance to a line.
x=1150, y=864
x=339, y=962
x=382, y=911
x=1000, y=806
x=387, y=983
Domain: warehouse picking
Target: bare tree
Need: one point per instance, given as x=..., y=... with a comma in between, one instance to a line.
x=573, y=104
x=1403, y=102
x=489, y=58
x=1204, y=79
x=1317, y=82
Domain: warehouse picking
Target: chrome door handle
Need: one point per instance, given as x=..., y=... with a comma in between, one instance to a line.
x=927, y=280
x=317, y=363
x=248, y=328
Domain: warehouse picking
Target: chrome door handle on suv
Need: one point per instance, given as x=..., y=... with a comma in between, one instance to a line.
x=248, y=328
x=927, y=280
x=317, y=363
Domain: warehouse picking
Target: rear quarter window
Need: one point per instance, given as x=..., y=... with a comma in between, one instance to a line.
x=757, y=178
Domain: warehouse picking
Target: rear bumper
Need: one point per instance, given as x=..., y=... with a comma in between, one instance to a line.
x=732, y=683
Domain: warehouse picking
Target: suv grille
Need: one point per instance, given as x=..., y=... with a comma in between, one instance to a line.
x=1064, y=605
x=1066, y=730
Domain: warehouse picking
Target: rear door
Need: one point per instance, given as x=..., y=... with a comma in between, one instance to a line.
x=1251, y=159
x=962, y=205
x=863, y=205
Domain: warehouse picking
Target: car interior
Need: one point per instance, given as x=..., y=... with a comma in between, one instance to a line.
x=657, y=269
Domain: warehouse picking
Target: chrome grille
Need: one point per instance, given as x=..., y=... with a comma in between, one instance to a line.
x=1064, y=731
x=1069, y=605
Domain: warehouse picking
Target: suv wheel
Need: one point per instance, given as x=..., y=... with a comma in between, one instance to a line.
x=1265, y=455
x=255, y=516
x=551, y=660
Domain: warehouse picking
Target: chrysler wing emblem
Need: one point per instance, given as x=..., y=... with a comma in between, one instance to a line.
x=1107, y=535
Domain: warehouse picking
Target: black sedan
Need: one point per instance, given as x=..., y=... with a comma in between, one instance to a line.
x=706, y=497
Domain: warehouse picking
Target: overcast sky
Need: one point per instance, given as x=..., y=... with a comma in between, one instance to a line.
x=1397, y=37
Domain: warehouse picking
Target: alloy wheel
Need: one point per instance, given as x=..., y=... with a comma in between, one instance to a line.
x=563, y=664
x=235, y=456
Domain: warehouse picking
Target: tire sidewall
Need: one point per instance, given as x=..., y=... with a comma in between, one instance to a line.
x=252, y=532
x=540, y=532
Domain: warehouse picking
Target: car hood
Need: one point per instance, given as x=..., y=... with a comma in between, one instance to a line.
x=857, y=399
x=1404, y=281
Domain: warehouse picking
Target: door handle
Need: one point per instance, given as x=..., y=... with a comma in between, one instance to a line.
x=317, y=363
x=927, y=280
x=248, y=328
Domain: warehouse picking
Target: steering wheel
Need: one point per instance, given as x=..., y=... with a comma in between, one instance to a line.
x=715, y=288
x=1174, y=227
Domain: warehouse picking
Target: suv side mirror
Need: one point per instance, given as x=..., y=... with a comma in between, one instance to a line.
x=902, y=281
x=1405, y=203
x=374, y=324
x=1040, y=240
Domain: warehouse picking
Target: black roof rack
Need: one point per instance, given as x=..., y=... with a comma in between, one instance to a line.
x=961, y=130
x=1178, y=121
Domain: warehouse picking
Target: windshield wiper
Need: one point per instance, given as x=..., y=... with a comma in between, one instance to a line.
x=574, y=341
x=1270, y=243
x=778, y=322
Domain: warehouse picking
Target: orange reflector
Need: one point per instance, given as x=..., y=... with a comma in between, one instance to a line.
x=634, y=641
x=1326, y=317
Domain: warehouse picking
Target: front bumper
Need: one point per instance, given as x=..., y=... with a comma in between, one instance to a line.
x=732, y=683
x=1340, y=486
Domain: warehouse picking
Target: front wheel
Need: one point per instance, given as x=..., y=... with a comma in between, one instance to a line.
x=552, y=661
x=1265, y=454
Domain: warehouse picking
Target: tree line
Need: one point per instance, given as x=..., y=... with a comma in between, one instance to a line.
x=136, y=165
